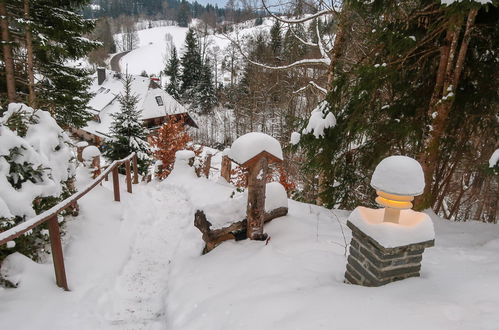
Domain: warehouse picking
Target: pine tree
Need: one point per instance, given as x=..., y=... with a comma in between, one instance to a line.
x=127, y=132
x=276, y=38
x=191, y=64
x=172, y=70
x=205, y=93
x=58, y=39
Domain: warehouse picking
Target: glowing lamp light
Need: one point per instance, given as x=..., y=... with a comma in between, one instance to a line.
x=397, y=179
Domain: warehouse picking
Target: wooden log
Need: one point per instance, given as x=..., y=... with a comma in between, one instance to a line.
x=96, y=167
x=116, y=184
x=236, y=230
x=128, y=177
x=207, y=165
x=135, y=170
x=257, y=174
x=226, y=168
x=57, y=255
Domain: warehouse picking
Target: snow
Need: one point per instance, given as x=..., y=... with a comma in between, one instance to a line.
x=320, y=120
x=222, y=214
x=494, y=159
x=450, y=2
x=413, y=227
x=137, y=264
x=251, y=144
x=399, y=175
x=154, y=47
x=295, y=138
x=90, y=152
x=275, y=196
x=82, y=144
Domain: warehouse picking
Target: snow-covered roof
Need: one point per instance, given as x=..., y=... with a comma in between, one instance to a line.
x=249, y=145
x=153, y=101
x=399, y=175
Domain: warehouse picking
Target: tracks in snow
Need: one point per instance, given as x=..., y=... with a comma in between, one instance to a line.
x=138, y=298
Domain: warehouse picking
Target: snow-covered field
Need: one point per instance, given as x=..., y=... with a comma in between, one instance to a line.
x=154, y=46
x=137, y=264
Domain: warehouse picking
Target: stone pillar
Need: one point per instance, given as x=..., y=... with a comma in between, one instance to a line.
x=371, y=264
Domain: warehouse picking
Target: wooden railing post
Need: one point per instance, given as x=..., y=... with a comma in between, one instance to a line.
x=226, y=167
x=135, y=170
x=207, y=165
x=116, y=184
x=128, y=177
x=57, y=256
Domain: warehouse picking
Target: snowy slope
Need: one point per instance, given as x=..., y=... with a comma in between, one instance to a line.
x=138, y=265
x=154, y=47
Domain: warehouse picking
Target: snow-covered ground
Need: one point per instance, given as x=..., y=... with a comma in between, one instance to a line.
x=137, y=264
x=154, y=46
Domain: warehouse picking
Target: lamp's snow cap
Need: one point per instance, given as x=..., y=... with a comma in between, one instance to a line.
x=251, y=144
x=399, y=175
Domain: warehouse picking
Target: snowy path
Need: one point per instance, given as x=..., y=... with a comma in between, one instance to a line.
x=137, y=299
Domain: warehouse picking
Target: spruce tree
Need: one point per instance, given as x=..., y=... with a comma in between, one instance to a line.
x=172, y=70
x=191, y=64
x=276, y=38
x=205, y=93
x=59, y=39
x=127, y=132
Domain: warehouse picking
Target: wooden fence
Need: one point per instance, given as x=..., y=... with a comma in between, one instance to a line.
x=50, y=216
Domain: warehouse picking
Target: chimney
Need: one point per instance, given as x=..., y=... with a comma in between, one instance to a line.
x=101, y=75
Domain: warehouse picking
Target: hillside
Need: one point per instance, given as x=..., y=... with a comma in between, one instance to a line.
x=138, y=265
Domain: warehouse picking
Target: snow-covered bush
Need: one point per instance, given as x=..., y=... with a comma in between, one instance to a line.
x=36, y=172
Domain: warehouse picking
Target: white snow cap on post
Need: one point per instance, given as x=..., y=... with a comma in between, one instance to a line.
x=399, y=175
x=252, y=144
x=82, y=144
x=90, y=152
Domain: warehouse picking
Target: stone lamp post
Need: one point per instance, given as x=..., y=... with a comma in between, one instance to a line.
x=388, y=243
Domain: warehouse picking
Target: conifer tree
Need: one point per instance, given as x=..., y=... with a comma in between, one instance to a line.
x=127, y=132
x=59, y=38
x=205, y=92
x=191, y=64
x=172, y=70
x=276, y=38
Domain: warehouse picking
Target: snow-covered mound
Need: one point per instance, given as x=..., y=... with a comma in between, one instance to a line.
x=224, y=213
x=35, y=159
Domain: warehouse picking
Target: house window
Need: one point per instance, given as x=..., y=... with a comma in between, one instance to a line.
x=101, y=90
x=159, y=100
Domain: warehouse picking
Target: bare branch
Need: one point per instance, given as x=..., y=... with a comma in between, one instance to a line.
x=308, y=43
x=300, y=63
x=299, y=20
x=311, y=84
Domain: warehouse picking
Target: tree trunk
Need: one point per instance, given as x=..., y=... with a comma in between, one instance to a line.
x=448, y=77
x=30, y=61
x=257, y=175
x=7, y=54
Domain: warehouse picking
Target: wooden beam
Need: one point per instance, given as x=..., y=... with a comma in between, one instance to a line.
x=57, y=255
x=116, y=184
x=135, y=170
x=128, y=177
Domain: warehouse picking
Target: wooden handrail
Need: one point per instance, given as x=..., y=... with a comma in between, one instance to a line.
x=50, y=215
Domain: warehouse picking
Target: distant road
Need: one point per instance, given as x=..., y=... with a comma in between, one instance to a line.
x=115, y=61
